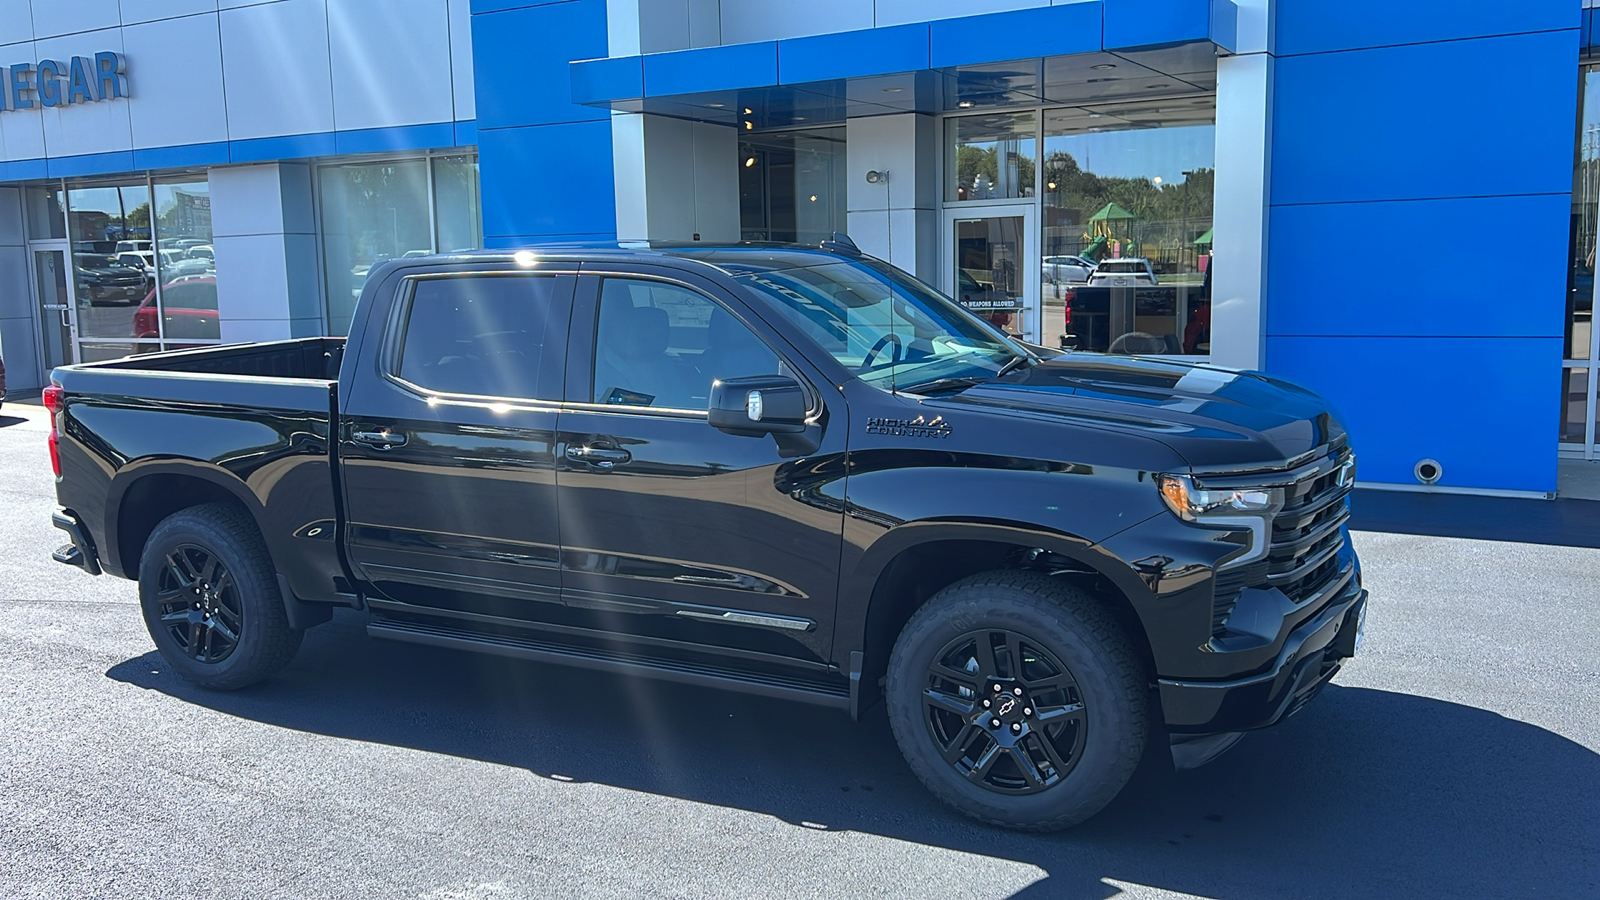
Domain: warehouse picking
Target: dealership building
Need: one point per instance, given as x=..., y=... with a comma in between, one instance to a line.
x=1394, y=204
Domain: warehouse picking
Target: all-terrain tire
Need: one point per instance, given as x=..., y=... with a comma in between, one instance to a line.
x=1056, y=625
x=243, y=599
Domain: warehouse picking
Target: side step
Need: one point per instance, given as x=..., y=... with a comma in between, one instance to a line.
x=592, y=658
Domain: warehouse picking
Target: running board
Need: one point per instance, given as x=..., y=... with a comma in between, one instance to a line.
x=588, y=658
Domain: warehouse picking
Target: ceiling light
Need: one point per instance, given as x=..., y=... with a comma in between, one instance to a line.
x=892, y=90
x=715, y=105
x=1104, y=66
x=799, y=118
x=813, y=198
x=749, y=162
x=1051, y=185
x=749, y=126
x=747, y=110
x=965, y=104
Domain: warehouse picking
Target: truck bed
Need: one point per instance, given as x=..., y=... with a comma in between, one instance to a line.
x=314, y=358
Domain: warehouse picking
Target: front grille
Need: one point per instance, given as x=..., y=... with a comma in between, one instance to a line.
x=1307, y=534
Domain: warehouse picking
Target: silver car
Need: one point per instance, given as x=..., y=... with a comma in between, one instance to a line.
x=1067, y=269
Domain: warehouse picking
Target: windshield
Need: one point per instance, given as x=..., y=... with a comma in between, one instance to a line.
x=890, y=329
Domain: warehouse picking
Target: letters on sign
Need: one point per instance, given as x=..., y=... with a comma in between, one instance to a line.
x=54, y=83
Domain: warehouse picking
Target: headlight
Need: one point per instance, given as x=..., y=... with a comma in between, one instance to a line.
x=1192, y=504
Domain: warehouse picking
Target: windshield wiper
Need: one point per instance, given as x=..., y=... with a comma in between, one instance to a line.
x=1011, y=365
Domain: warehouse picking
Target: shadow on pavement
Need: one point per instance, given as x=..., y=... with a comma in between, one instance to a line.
x=1563, y=522
x=1365, y=792
x=11, y=420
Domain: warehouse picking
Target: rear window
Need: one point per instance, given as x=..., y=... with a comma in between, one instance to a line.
x=1122, y=267
x=479, y=334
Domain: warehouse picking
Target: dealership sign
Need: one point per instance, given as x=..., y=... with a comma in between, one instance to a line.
x=55, y=83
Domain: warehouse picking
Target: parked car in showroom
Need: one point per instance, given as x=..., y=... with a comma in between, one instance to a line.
x=796, y=472
x=1126, y=272
x=1067, y=269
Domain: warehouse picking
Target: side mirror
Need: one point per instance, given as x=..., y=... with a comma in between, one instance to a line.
x=758, y=405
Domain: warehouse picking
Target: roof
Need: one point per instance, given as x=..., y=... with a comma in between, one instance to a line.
x=1111, y=211
x=731, y=258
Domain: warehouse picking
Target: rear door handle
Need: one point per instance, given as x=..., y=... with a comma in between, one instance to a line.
x=599, y=457
x=383, y=440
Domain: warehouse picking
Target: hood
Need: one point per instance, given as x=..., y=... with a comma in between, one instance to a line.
x=1214, y=418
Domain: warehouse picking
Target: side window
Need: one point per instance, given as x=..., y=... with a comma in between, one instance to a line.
x=661, y=345
x=479, y=334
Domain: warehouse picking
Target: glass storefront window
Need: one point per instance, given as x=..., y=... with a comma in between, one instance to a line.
x=455, y=187
x=371, y=212
x=1127, y=229
x=792, y=185
x=186, y=309
x=108, y=226
x=47, y=213
x=993, y=156
x=1578, y=381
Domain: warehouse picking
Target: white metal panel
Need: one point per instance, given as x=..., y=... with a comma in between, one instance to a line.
x=901, y=12
x=176, y=82
x=252, y=280
x=1244, y=171
x=663, y=25
x=461, y=73
x=21, y=132
x=58, y=17
x=766, y=20
x=1254, y=30
x=19, y=348
x=136, y=11
x=629, y=179
x=86, y=127
x=391, y=68
x=16, y=24
x=246, y=200
x=275, y=68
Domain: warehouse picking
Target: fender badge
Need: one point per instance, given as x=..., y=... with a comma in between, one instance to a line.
x=920, y=427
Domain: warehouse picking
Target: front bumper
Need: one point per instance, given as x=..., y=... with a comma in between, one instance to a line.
x=80, y=552
x=1311, y=655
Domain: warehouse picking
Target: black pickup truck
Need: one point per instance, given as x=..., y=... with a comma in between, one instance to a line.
x=792, y=471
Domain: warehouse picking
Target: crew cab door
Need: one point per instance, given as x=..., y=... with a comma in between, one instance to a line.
x=447, y=439
x=672, y=530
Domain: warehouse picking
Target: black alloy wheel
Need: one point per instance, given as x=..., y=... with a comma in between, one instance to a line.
x=1006, y=713
x=200, y=606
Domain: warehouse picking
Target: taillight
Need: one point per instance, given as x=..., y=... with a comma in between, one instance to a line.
x=1066, y=315
x=52, y=403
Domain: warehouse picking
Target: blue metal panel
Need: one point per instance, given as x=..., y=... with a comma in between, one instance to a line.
x=1327, y=276
x=489, y=6
x=182, y=157
x=467, y=133
x=23, y=170
x=1315, y=26
x=711, y=69
x=1591, y=29
x=599, y=80
x=1485, y=408
x=522, y=62
x=1022, y=34
x=873, y=51
x=507, y=242
x=290, y=147
x=406, y=137
x=547, y=180
x=1147, y=23
x=90, y=164
x=1352, y=126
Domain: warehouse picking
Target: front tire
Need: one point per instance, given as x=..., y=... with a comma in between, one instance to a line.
x=1018, y=700
x=211, y=601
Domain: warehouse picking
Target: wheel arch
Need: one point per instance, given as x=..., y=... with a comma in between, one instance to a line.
x=912, y=562
x=144, y=493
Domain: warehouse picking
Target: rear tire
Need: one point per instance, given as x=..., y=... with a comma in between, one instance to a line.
x=211, y=600
x=1073, y=717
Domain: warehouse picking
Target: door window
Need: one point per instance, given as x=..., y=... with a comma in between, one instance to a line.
x=481, y=335
x=661, y=345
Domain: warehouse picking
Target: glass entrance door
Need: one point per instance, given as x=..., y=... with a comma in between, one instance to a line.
x=992, y=265
x=57, y=314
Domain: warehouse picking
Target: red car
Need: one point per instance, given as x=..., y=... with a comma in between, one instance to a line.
x=191, y=311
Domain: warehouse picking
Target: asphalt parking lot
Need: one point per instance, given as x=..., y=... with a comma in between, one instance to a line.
x=1459, y=756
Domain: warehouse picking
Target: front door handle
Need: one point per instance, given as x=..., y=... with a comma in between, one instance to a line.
x=599, y=457
x=383, y=440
